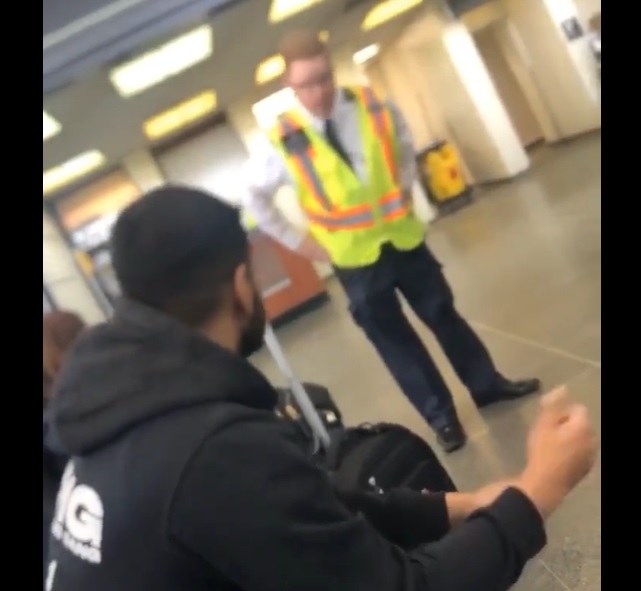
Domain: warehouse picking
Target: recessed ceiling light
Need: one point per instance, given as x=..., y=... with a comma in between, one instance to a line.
x=270, y=68
x=50, y=126
x=180, y=115
x=283, y=9
x=73, y=169
x=366, y=54
x=162, y=63
x=386, y=11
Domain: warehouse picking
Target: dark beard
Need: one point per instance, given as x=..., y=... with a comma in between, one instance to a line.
x=251, y=339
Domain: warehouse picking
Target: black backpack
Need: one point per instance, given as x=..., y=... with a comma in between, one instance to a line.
x=384, y=456
x=370, y=457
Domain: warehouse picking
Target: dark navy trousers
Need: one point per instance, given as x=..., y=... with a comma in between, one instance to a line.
x=374, y=303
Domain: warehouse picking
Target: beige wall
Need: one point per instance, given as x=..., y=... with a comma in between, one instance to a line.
x=404, y=80
x=444, y=67
x=484, y=15
x=520, y=62
x=399, y=79
x=143, y=170
x=508, y=86
x=564, y=72
x=212, y=160
x=587, y=9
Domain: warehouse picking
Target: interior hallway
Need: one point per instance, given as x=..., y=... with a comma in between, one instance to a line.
x=524, y=264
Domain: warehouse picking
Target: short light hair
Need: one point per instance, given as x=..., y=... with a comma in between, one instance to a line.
x=301, y=45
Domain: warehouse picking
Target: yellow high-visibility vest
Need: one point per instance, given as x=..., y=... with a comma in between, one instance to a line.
x=350, y=218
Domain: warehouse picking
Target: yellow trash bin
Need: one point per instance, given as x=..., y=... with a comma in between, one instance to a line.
x=442, y=175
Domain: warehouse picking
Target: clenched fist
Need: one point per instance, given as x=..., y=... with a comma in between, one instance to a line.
x=561, y=451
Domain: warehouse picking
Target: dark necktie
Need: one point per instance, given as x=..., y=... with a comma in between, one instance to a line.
x=334, y=142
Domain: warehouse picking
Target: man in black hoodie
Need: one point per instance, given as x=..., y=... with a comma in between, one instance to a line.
x=182, y=477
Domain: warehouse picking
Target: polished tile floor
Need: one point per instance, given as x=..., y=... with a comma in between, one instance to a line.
x=524, y=263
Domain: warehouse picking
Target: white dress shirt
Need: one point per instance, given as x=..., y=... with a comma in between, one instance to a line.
x=267, y=171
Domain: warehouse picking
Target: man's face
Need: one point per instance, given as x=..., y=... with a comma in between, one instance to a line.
x=312, y=81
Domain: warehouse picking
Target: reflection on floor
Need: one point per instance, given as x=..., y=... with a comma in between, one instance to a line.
x=524, y=263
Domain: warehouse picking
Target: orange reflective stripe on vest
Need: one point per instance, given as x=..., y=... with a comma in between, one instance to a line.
x=393, y=206
x=382, y=125
x=331, y=218
x=351, y=219
x=303, y=162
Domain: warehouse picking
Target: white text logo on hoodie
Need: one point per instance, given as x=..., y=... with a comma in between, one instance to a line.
x=77, y=523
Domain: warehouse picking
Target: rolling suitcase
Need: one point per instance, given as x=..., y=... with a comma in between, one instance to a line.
x=303, y=404
x=323, y=404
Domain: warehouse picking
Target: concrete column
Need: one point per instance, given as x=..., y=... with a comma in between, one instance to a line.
x=143, y=170
x=444, y=58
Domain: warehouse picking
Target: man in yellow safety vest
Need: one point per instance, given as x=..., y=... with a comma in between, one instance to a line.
x=350, y=157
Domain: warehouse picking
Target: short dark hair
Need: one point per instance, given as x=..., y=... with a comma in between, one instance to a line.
x=176, y=249
x=300, y=45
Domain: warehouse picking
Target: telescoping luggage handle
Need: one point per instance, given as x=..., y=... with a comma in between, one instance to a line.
x=321, y=437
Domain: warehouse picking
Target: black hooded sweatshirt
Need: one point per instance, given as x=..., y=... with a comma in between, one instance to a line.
x=182, y=478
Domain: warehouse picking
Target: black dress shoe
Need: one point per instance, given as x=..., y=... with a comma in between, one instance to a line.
x=507, y=390
x=451, y=437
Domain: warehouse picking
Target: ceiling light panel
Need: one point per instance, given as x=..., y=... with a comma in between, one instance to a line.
x=71, y=170
x=164, y=62
x=50, y=126
x=386, y=11
x=269, y=69
x=180, y=115
x=283, y=9
x=367, y=53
